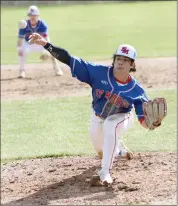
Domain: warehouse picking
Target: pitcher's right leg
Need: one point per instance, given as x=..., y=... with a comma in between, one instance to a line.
x=96, y=134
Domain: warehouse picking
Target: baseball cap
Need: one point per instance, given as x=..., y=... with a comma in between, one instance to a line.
x=33, y=10
x=127, y=51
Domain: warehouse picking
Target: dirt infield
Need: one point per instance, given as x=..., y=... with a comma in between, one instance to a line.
x=150, y=178
x=42, y=83
x=147, y=179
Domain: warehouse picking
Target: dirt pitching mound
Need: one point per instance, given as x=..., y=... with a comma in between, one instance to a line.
x=41, y=82
x=149, y=178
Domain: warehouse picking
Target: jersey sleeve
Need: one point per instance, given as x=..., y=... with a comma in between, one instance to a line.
x=83, y=70
x=138, y=105
x=44, y=29
x=21, y=33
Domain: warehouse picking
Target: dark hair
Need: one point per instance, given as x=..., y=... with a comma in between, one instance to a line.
x=133, y=69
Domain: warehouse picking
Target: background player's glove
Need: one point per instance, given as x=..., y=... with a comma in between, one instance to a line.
x=45, y=55
x=154, y=112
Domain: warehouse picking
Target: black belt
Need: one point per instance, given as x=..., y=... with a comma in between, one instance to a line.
x=99, y=116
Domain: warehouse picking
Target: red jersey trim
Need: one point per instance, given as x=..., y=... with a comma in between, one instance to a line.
x=126, y=82
x=141, y=120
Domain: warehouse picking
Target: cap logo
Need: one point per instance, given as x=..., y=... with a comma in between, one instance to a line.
x=125, y=50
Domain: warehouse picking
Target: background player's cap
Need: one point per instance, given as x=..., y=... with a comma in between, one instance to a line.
x=33, y=10
x=127, y=51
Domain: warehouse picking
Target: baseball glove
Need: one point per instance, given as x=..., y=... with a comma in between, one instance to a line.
x=154, y=112
x=45, y=56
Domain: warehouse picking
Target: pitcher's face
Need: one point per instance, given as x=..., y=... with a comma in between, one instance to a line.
x=122, y=63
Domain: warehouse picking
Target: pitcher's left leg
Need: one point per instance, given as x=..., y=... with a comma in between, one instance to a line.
x=122, y=150
x=96, y=134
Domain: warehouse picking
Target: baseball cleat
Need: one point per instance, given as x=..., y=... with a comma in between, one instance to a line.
x=59, y=73
x=101, y=179
x=22, y=74
x=124, y=152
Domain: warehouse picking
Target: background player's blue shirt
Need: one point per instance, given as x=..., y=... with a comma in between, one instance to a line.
x=40, y=28
x=109, y=97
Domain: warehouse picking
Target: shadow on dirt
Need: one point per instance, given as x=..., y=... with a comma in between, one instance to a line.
x=16, y=78
x=73, y=187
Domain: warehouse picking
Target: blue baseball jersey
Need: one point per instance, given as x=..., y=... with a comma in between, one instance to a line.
x=41, y=28
x=109, y=97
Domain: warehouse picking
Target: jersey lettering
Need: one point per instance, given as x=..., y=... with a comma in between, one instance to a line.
x=107, y=95
x=99, y=93
x=118, y=101
x=115, y=99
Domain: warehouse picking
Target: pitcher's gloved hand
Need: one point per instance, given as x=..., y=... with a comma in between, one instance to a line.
x=154, y=112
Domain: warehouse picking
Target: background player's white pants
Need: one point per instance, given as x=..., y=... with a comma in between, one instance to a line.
x=106, y=134
x=27, y=48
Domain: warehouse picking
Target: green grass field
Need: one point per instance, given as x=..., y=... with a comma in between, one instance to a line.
x=61, y=127
x=94, y=31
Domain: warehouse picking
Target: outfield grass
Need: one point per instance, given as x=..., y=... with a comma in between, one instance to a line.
x=61, y=127
x=94, y=31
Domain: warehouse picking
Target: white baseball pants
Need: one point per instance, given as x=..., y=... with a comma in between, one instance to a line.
x=105, y=135
x=28, y=48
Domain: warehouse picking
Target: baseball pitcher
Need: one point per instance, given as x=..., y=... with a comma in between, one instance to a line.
x=26, y=28
x=115, y=93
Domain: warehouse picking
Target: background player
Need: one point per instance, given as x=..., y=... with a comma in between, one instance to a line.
x=114, y=92
x=34, y=24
